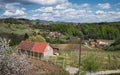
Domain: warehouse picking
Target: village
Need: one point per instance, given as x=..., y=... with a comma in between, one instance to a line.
x=49, y=52
x=29, y=47
x=45, y=49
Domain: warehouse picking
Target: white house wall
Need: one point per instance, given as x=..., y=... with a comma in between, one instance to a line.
x=48, y=51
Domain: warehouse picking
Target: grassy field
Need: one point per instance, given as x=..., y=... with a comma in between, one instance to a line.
x=15, y=28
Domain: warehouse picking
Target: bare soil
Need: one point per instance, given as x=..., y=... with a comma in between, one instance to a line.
x=70, y=46
x=44, y=68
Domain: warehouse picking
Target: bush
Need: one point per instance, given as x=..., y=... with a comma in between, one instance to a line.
x=90, y=64
x=115, y=45
x=10, y=62
x=37, y=38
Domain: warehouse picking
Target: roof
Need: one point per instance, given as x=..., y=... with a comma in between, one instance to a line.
x=98, y=40
x=38, y=47
x=92, y=43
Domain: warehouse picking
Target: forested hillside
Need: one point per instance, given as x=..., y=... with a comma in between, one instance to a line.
x=15, y=29
x=101, y=30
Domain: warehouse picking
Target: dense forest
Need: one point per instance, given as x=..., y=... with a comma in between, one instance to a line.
x=105, y=30
x=16, y=29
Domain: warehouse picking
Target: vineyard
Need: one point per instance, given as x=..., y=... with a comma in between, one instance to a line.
x=91, y=60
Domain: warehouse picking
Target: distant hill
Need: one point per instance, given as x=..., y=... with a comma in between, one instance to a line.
x=20, y=26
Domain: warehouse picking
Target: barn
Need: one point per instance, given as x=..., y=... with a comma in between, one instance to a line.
x=38, y=49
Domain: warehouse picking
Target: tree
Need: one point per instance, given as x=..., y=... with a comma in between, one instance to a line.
x=115, y=45
x=10, y=62
x=65, y=29
x=26, y=36
x=37, y=38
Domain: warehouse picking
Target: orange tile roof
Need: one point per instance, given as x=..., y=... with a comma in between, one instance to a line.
x=38, y=47
x=92, y=43
x=25, y=45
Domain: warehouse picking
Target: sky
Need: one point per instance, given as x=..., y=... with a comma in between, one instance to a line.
x=62, y=10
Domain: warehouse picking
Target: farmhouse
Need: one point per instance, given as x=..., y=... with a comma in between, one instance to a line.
x=92, y=43
x=101, y=42
x=98, y=43
x=38, y=49
x=54, y=34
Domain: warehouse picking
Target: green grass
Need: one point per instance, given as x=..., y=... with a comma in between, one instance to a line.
x=105, y=60
x=15, y=28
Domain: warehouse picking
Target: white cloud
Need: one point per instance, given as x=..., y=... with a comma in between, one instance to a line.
x=39, y=2
x=47, y=2
x=100, y=12
x=8, y=6
x=61, y=10
x=12, y=10
x=11, y=6
x=104, y=6
x=67, y=13
x=44, y=9
x=17, y=12
x=85, y=5
x=61, y=6
x=107, y=16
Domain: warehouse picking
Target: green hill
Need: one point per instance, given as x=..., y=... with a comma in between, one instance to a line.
x=15, y=28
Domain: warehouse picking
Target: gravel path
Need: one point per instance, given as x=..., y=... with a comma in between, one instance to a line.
x=104, y=72
x=71, y=70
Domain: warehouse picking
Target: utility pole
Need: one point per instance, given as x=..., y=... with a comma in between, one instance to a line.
x=80, y=49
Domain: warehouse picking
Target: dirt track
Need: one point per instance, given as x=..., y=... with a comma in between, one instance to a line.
x=70, y=46
x=42, y=67
x=104, y=72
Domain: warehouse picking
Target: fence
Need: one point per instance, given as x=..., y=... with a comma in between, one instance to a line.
x=91, y=60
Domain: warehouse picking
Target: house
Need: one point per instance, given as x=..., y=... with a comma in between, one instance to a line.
x=101, y=42
x=38, y=49
x=92, y=43
x=97, y=43
x=54, y=34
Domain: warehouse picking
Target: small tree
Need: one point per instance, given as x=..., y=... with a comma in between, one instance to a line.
x=37, y=38
x=10, y=62
x=115, y=45
x=26, y=36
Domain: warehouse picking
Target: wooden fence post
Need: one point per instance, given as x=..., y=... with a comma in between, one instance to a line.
x=109, y=62
x=115, y=61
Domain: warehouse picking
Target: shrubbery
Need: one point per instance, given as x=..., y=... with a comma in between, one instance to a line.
x=10, y=62
x=90, y=64
x=36, y=38
x=115, y=45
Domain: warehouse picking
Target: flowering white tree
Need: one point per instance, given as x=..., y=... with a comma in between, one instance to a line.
x=10, y=62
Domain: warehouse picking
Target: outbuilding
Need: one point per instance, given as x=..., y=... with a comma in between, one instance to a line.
x=38, y=49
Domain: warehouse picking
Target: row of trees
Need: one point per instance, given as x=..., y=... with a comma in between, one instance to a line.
x=65, y=29
x=100, y=31
x=90, y=30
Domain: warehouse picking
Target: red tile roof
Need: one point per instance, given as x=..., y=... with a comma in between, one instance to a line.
x=92, y=43
x=38, y=47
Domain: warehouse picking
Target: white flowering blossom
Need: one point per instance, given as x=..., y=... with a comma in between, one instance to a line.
x=10, y=62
